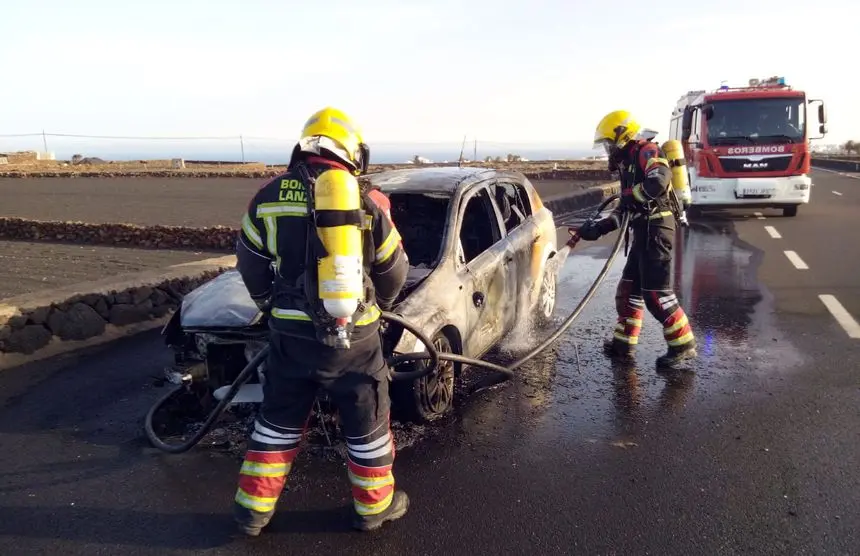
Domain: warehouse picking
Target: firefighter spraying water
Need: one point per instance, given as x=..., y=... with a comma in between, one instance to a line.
x=651, y=180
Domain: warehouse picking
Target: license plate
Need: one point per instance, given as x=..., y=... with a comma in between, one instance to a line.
x=756, y=191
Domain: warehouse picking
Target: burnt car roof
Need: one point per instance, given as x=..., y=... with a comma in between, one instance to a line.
x=431, y=180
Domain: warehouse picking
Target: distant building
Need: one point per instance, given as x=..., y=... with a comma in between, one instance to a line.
x=27, y=157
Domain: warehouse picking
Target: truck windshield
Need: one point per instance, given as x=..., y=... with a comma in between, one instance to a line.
x=757, y=121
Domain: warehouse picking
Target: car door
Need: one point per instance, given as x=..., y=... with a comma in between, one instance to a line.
x=485, y=257
x=522, y=233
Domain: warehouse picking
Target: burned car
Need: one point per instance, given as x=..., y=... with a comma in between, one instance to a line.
x=478, y=243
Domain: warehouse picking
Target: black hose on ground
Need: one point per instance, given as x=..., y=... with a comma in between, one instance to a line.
x=432, y=354
x=213, y=416
x=502, y=373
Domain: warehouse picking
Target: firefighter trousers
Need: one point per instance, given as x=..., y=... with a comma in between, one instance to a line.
x=358, y=384
x=646, y=282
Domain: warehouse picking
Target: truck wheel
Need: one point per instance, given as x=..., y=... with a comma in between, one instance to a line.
x=428, y=398
x=694, y=212
x=790, y=211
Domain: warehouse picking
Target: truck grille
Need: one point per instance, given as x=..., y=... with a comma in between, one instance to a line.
x=775, y=164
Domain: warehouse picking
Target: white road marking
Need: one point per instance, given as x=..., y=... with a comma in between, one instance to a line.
x=796, y=260
x=759, y=216
x=842, y=316
x=837, y=193
x=772, y=231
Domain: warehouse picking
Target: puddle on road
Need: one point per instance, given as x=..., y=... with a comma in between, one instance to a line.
x=572, y=389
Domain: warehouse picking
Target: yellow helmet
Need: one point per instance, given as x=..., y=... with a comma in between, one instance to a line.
x=615, y=130
x=331, y=132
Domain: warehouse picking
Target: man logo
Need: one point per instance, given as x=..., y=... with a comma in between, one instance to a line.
x=755, y=165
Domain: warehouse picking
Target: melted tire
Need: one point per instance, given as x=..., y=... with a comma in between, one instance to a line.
x=428, y=398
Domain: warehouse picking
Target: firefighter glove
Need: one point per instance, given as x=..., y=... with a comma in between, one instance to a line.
x=628, y=203
x=589, y=231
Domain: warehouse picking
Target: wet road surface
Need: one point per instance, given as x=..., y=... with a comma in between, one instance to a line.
x=755, y=452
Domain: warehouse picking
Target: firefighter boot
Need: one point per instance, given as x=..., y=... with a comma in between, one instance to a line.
x=251, y=523
x=397, y=509
x=616, y=349
x=676, y=356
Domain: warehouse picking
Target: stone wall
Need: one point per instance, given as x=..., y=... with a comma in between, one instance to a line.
x=840, y=165
x=218, y=238
x=86, y=316
x=565, y=205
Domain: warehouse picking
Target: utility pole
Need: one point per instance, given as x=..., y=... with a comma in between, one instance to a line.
x=242, y=144
x=462, y=148
x=475, y=154
x=45, y=142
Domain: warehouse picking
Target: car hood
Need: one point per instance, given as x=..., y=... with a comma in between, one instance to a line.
x=223, y=302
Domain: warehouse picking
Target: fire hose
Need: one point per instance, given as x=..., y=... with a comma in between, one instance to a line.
x=432, y=354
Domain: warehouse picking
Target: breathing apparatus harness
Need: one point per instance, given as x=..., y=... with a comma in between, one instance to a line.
x=432, y=355
x=673, y=152
x=330, y=330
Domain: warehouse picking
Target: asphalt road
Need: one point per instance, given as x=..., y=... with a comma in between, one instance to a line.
x=194, y=202
x=755, y=452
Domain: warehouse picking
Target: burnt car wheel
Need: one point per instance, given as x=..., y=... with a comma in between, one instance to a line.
x=545, y=306
x=429, y=397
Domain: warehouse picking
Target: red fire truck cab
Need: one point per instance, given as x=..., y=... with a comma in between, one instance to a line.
x=748, y=146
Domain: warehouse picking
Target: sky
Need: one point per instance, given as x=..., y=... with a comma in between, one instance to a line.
x=540, y=72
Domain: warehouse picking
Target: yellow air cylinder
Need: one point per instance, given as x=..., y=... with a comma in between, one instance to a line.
x=337, y=202
x=674, y=152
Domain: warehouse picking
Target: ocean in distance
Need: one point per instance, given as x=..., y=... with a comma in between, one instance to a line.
x=269, y=153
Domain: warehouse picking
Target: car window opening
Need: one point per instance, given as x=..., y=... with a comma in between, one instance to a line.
x=421, y=220
x=512, y=207
x=479, y=230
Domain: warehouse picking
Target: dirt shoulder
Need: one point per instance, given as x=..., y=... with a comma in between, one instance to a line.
x=27, y=267
x=149, y=201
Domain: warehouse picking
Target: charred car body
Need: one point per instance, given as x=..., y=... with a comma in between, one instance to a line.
x=478, y=242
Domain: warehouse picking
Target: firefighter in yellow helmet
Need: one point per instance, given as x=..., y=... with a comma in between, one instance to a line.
x=646, y=280
x=278, y=250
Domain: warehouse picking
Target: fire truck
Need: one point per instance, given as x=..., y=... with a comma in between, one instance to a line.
x=747, y=147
